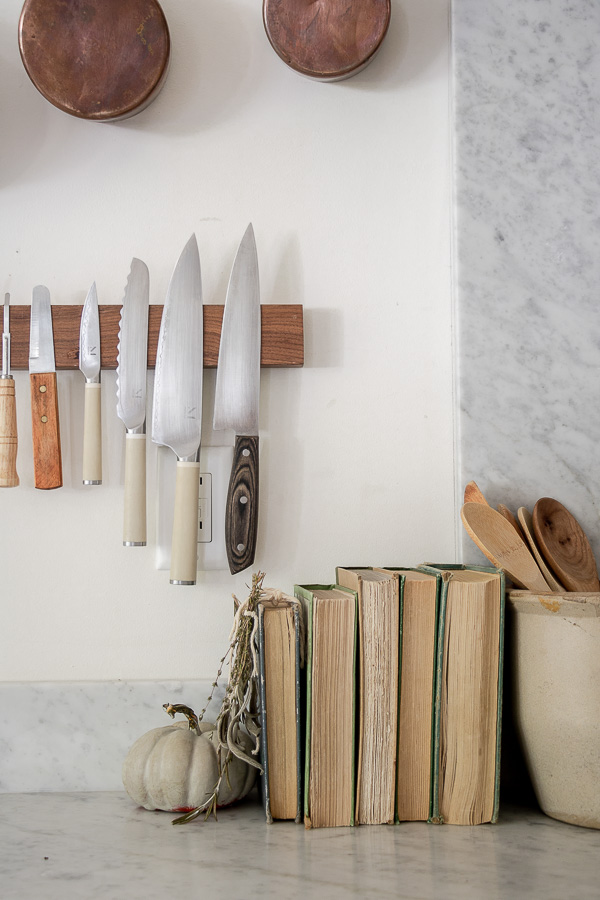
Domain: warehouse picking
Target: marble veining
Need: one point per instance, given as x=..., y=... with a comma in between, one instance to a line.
x=101, y=845
x=527, y=252
x=74, y=736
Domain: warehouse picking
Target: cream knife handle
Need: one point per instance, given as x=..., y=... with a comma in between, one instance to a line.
x=45, y=429
x=241, y=511
x=134, y=519
x=184, y=544
x=92, y=434
x=8, y=434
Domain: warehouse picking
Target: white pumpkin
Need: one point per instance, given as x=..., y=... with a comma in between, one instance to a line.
x=175, y=769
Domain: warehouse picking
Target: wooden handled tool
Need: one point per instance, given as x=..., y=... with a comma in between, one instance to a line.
x=8, y=411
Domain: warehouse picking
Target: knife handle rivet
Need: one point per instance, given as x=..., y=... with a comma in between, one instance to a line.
x=44, y=418
x=245, y=453
x=243, y=499
x=43, y=388
x=241, y=548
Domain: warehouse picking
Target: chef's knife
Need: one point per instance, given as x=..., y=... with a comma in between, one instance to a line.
x=8, y=411
x=236, y=401
x=132, y=363
x=89, y=364
x=47, y=459
x=177, y=408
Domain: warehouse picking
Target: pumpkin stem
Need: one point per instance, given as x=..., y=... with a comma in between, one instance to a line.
x=189, y=713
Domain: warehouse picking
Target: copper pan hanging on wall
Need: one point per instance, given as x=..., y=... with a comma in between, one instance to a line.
x=327, y=40
x=102, y=60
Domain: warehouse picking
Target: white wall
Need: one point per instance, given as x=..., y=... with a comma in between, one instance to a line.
x=347, y=186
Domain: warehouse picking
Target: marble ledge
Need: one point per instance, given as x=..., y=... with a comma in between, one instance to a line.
x=74, y=736
x=100, y=845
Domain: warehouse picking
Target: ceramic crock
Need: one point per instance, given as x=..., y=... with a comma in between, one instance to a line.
x=554, y=651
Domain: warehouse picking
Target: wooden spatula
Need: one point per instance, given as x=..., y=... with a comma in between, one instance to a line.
x=526, y=520
x=505, y=511
x=473, y=494
x=499, y=541
x=565, y=546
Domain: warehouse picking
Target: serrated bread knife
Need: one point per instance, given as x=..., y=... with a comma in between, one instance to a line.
x=236, y=401
x=177, y=407
x=8, y=411
x=47, y=459
x=132, y=363
x=89, y=365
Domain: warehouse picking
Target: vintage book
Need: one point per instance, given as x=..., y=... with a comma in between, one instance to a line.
x=377, y=665
x=280, y=657
x=331, y=618
x=419, y=598
x=468, y=702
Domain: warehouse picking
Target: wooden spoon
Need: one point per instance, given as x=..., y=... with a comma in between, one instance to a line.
x=526, y=520
x=505, y=511
x=473, y=494
x=499, y=541
x=565, y=546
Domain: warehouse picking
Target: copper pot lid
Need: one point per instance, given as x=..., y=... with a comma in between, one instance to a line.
x=95, y=59
x=327, y=40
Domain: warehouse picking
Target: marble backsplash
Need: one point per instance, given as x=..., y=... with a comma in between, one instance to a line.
x=527, y=252
x=75, y=736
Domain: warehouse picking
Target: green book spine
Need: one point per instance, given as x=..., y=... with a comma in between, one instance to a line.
x=401, y=582
x=434, y=569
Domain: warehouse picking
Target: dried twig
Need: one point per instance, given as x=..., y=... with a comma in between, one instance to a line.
x=239, y=709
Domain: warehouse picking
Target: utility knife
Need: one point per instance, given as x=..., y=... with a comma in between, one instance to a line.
x=47, y=459
x=89, y=364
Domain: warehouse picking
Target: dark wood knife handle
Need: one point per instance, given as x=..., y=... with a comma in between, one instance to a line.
x=47, y=460
x=241, y=513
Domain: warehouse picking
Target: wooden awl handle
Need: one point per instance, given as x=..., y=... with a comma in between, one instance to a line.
x=8, y=434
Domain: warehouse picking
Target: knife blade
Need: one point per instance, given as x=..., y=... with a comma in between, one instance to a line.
x=47, y=458
x=8, y=410
x=177, y=406
x=132, y=364
x=89, y=364
x=237, y=400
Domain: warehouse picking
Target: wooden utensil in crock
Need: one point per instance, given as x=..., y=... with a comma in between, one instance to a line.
x=565, y=546
x=499, y=541
x=95, y=59
x=473, y=494
x=526, y=520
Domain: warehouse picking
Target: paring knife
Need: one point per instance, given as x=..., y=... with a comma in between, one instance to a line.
x=177, y=408
x=237, y=399
x=89, y=364
x=47, y=459
x=8, y=411
x=132, y=363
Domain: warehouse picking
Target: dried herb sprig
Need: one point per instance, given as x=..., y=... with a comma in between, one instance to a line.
x=239, y=709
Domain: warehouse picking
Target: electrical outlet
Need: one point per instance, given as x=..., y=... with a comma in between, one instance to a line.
x=215, y=469
x=205, y=509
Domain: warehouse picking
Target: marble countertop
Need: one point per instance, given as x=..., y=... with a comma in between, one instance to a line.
x=100, y=845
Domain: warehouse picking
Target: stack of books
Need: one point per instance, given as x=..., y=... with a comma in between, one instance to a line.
x=394, y=714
